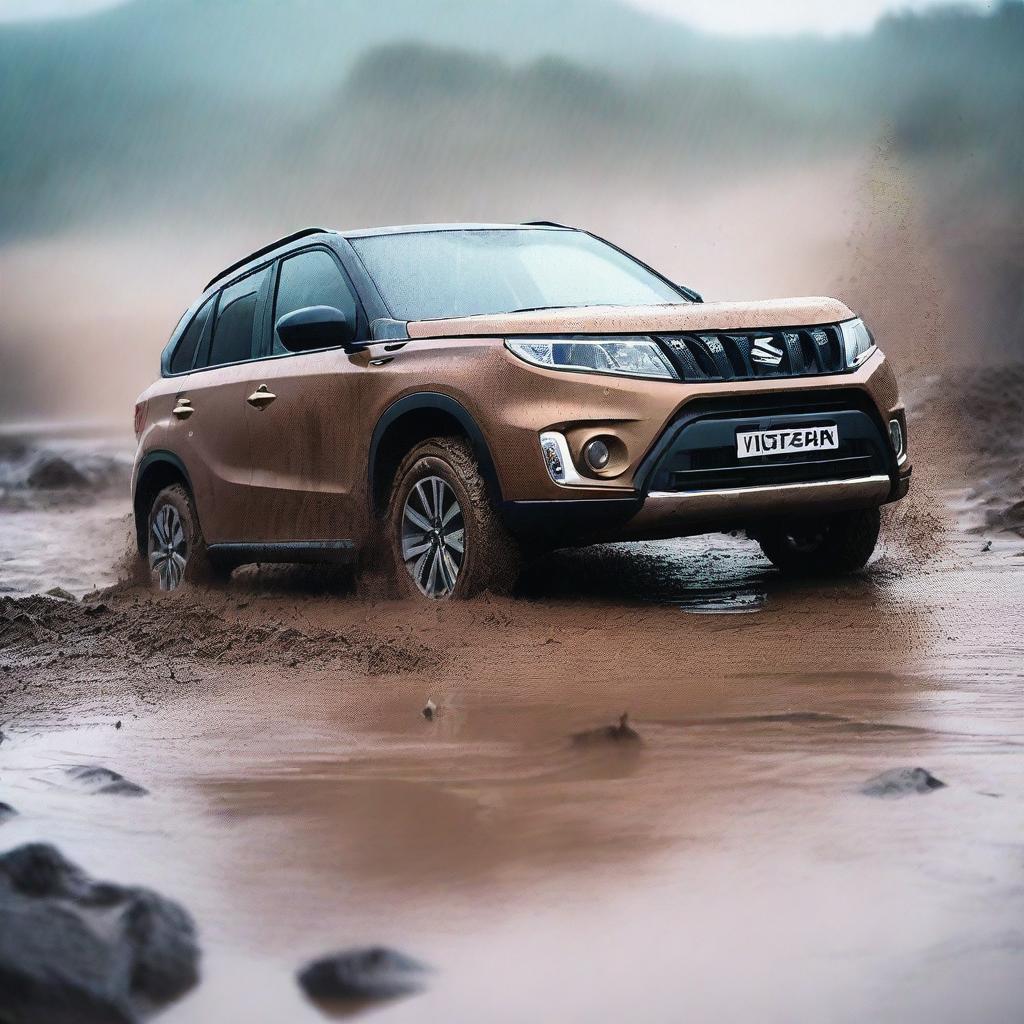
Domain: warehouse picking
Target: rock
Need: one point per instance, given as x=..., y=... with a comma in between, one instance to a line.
x=95, y=779
x=373, y=972
x=117, y=724
x=429, y=710
x=61, y=594
x=1011, y=518
x=77, y=951
x=6, y=811
x=621, y=733
x=1014, y=515
x=901, y=782
x=53, y=472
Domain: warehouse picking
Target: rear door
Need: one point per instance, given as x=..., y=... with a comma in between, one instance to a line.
x=217, y=442
x=174, y=407
x=303, y=469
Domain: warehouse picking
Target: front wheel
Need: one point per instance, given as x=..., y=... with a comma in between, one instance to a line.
x=445, y=537
x=826, y=546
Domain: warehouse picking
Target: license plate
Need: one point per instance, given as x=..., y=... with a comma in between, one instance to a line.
x=751, y=443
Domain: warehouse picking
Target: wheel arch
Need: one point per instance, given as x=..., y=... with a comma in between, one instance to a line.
x=415, y=418
x=157, y=470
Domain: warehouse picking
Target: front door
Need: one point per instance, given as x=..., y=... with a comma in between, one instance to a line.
x=303, y=471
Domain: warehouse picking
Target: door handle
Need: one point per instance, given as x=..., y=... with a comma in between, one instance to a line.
x=261, y=397
x=183, y=409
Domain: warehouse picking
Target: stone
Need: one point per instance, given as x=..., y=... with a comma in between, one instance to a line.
x=902, y=782
x=77, y=951
x=621, y=733
x=373, y=972
x=53, y=472
x=96, y=779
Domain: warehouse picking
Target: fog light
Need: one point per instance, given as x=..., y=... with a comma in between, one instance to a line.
x=896, y=435
x=596, y=453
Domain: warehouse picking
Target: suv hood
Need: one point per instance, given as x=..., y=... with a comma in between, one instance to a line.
x=685, y=317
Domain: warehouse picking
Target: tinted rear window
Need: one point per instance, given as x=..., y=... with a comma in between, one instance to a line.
x=185, y=353
x=236, y=314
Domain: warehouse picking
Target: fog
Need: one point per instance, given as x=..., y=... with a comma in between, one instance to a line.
x=145, y=147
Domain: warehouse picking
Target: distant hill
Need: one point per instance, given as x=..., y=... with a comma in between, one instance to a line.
x=301, y=48
x=186, y=103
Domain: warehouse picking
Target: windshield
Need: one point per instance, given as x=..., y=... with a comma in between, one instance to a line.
x=426, y=275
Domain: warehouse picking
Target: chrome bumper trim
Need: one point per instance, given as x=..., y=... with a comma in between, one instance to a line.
x=818, y=486
x=672, y=510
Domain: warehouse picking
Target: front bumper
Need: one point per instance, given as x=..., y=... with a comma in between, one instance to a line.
x=662, y=514
x=691, y=480
x=680, y=512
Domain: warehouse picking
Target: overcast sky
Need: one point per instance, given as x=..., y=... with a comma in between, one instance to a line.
x=740, y=17
x=743, y=17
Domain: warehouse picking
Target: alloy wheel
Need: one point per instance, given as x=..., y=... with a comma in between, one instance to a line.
x=433, y=537
x=168, y=548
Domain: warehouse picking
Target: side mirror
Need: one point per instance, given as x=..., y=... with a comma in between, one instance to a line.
x=313, y=327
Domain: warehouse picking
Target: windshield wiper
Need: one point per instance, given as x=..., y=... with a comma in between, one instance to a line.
x=580, y=305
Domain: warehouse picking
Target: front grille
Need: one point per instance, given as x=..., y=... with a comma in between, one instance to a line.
x=755, y=355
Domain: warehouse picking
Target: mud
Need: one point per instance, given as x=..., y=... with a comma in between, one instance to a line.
x=299, y=801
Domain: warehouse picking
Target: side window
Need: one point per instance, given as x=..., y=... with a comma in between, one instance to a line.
x=312, y=279
x=236, y=314
x=185, y=353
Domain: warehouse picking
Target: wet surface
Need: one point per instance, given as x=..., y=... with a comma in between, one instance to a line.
x=726, y=867
x=63, y=505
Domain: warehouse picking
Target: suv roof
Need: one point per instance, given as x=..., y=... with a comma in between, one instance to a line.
x=403, y=229
x=397, y=229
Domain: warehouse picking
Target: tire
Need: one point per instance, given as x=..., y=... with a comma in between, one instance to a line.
x=829, y=546
x=426, y=562
x=176, y=551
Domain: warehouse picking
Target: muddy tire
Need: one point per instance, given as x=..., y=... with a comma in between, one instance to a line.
x=176, y=551
x=438, y=506
x=828, y=546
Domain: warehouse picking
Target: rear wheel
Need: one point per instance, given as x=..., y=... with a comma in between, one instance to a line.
x=830, y=545
x=446, y=540
x=175, y=548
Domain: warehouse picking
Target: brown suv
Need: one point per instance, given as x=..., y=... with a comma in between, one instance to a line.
x=441, y=399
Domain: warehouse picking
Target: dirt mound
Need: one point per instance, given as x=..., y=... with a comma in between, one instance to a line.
x=985, y=406
x=203, y=627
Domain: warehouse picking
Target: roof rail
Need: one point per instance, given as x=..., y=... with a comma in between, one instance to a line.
x=262, y=252
x=546, y=224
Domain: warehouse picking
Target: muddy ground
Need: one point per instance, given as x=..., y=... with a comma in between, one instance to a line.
x=726, y=868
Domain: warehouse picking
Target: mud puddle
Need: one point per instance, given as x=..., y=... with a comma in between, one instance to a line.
x=725, y=868
x=723, y=601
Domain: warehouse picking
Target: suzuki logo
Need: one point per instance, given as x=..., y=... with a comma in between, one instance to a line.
x=766, y=353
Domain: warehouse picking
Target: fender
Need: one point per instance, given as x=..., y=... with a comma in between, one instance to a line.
x=158, y=456
x=155, y=456
x=440, y=403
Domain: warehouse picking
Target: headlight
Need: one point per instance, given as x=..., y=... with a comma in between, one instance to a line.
x=634, y=357
x=858, y=343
